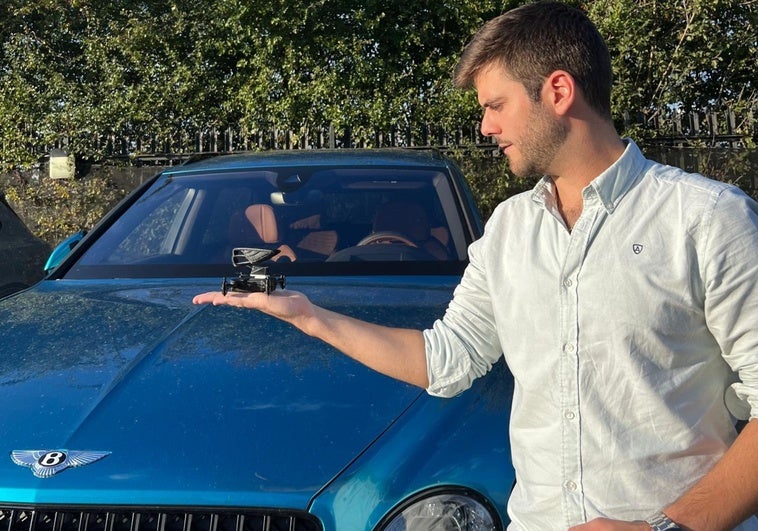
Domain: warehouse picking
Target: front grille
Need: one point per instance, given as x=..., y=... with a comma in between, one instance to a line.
x=152, y=519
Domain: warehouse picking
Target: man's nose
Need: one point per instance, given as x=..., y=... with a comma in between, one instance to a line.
x=488, y=126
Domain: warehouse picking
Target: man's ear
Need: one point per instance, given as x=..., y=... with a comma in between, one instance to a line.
x=559, y=91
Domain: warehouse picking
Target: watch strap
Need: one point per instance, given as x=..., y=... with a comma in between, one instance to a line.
x=661, y=522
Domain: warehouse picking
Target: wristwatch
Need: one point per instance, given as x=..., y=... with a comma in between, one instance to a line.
x=661, y=522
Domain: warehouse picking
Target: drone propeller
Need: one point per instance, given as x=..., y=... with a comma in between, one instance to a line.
x=250, y=257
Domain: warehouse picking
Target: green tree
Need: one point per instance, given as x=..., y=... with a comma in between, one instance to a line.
x=375, y=63
x=681, y=55
x=81, y=71
x=40, y=55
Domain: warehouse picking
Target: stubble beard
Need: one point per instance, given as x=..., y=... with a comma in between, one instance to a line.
x=540, y=144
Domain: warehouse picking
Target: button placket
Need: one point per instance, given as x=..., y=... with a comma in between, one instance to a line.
x=573, y=498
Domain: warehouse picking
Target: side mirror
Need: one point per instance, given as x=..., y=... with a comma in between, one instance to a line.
x=62, y=250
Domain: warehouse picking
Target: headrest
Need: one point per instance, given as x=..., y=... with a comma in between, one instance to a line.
x=262, y=218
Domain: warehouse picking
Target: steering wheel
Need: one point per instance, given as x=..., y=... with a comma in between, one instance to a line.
x=386, y=236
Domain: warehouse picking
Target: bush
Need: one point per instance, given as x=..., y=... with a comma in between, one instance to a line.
x=489, y=178
x=492, y=182
x=53, y=209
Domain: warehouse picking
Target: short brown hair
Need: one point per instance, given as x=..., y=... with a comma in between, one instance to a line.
x=535, y=40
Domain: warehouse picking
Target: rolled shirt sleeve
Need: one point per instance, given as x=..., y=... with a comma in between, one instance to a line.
x=464, y=344
x=730, y=273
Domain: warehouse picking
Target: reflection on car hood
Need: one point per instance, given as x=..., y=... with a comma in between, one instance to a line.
x=197, y=405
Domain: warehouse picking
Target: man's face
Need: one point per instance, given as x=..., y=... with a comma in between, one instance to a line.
x=525, y=131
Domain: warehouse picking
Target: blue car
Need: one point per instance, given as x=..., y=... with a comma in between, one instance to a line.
x=124, y=407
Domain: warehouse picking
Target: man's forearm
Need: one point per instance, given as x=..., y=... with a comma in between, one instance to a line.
x=728, y=494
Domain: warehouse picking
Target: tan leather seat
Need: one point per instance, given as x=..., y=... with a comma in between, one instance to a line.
x=262, y=220
x=322, y=242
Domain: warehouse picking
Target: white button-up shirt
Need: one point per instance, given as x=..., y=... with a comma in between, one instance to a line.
x=633, y=338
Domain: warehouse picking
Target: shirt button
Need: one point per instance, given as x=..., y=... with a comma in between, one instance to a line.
x=570, y=415
x=570, y=486
x=568, y=348
x=567, y=282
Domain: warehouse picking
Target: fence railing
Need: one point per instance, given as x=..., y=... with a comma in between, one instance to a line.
x=159, y=149
x=711, y=129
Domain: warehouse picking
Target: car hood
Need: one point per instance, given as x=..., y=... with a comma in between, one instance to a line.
x=196, y=405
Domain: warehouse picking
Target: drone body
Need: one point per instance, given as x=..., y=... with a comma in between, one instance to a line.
x=257, y=280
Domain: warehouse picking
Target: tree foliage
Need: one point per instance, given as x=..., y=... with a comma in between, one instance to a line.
x=53, y=209
x=85, y=69
x=78, y=68
x=681, y=55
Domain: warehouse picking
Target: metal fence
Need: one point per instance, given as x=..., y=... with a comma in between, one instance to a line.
x=178, y=145
x=704, y=129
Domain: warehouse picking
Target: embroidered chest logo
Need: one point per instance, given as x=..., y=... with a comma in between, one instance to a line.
x=637, y=248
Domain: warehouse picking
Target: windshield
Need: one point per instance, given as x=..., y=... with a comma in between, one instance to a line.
x=321, y=221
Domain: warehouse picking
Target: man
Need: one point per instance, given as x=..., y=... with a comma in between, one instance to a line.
x=622, y=293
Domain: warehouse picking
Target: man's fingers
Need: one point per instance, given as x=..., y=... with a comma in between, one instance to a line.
x=204, y=298
x=243, y=300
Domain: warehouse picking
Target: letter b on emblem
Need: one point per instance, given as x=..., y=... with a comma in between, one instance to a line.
x=52, y=458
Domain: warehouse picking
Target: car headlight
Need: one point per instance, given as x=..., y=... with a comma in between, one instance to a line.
x=449, y=510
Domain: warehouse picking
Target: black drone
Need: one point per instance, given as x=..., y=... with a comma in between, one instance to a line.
x=258, y=279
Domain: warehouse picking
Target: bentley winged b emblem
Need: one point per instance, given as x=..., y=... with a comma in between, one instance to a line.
x=258, y=279
x=47, y=463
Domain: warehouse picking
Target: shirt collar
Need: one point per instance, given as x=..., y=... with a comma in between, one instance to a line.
x=610, y=186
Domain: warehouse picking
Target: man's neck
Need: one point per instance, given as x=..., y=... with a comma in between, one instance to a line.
x=583, y=158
